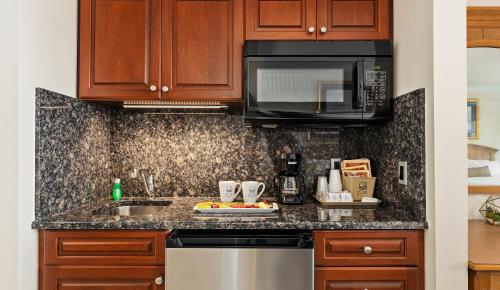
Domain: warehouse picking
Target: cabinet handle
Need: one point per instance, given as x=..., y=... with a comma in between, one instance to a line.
x=159, y=280
x=323, y=29
x=153, y=88
x=165, y=89
x=367, y=249
x=311, y=29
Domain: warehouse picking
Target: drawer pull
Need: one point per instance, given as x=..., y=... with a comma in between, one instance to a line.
x=159, y=280
x=368, y=250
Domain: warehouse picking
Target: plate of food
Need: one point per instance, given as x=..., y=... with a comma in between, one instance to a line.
x=236, y=207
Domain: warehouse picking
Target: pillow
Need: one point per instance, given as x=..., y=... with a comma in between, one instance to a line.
x=478, y=163
x=494, y=168
x=479, y=172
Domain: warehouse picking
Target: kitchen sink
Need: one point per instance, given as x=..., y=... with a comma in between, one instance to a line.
x=132, y=210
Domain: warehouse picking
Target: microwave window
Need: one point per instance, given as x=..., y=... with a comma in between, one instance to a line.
x=302, y=86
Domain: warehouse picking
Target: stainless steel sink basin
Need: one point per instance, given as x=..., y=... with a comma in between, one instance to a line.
x=134, y=210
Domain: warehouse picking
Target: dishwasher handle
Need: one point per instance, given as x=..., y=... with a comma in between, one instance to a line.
x=260, y=239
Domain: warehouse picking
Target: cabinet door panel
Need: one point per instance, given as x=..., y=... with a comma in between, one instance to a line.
x=207, y=41
x=102, y=247
x=280, y=19
x=102, y=278
x=355, y=19
x=365, y=278
x=119, y=49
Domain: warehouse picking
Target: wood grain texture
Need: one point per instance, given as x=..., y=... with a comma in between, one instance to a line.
x=484, y=246
x=102, y=278
x=207, y=44
x=480, y=152
x=102, y=247
x=119, y=49
x=280, y=19
x=345, y=248
x=347, y=278
x=483, y=27
x=355, y=19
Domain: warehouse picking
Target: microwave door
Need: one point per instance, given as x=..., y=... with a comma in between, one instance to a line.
x=311, y=85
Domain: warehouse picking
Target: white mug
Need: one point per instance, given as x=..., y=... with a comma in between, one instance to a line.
x=228, y=190
x=251, y=191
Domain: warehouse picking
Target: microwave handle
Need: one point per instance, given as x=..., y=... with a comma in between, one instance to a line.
x=359, y=81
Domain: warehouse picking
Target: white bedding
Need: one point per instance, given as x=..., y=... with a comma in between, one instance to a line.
x=490, y=180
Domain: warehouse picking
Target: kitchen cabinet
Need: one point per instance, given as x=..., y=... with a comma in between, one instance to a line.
x=318, y=19
x=341, y=278
x=369, y=260
x=280, y=19
x=119, y=49
x=207, y=49
x=103, y=278
x=176, y=50
x=72, y=259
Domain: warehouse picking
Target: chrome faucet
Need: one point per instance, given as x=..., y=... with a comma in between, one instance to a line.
x=149, y=182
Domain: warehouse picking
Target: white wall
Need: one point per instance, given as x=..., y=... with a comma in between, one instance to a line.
x=430, y=48
x=48, y=57
x=413, y=43
x=450, y=149
x=483, y=3
x=8, y=145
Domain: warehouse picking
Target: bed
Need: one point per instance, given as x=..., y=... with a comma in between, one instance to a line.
x=483, y=156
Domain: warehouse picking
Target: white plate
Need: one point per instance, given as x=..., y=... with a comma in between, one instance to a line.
x=238, y=210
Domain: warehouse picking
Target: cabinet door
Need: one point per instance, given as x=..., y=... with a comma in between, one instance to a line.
x=119, y=56
x=280, y=19
x=103, y=278
x=365, y=278
x=206, y=49
x=354, y=19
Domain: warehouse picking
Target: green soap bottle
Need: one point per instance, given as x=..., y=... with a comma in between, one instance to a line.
x=117, y=190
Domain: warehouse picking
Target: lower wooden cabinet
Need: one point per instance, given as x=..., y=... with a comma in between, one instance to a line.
x=369, y=260
x=104, y=278
x=102, y=260
x=377, y=278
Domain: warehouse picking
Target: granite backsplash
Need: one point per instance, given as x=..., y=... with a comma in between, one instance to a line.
x=81, y=146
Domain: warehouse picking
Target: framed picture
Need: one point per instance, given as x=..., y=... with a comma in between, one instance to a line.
x=473, y=118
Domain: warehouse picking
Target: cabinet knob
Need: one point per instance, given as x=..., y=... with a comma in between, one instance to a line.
x=311, y=29
x=165, y=89
x=367, y=249
x=159, y=280
x=153, y=88
x=323, y=29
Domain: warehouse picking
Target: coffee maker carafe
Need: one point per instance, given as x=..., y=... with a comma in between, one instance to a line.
x=289, y=181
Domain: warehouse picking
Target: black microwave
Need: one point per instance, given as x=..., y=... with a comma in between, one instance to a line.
x=318, y=82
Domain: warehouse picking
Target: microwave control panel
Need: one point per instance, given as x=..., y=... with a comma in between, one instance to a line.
x=377, y=88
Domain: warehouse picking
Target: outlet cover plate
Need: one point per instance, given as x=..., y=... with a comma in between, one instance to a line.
x=403, y=172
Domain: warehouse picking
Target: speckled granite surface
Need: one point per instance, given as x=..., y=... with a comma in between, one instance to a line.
x=179, y=215
x=82, y=146
x=402, y=139
x=72, y=153
x=190, y=154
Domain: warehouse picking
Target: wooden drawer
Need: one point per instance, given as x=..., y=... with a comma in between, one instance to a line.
x=103, y=278
x=373, y=278
x=368, y=248
x=102, y=247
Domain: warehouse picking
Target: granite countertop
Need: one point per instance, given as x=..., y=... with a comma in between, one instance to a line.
x=179, y=215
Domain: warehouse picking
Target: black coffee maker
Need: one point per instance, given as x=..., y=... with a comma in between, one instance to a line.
x=289, y=181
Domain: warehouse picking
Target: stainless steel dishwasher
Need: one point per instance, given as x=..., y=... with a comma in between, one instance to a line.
x=239, y=260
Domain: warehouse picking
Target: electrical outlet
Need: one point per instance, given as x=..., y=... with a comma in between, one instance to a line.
x=403, y=172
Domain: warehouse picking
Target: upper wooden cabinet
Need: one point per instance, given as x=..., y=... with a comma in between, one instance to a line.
x=119, y=55
x=161, y=49
x=318, y=19
x=207, y=48
x=280, y=19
